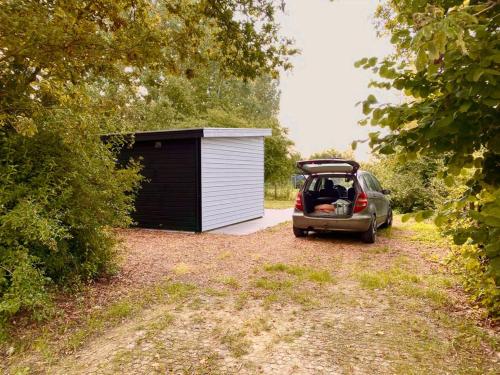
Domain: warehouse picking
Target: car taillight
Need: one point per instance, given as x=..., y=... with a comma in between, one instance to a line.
x=361, y=202
x=298, y=202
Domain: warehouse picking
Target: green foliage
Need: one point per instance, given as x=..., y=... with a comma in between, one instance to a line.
x=71, y=71
x=209, y=99
x=413, y=184
x=466, y=262
x=58, y=197
x=23, y=285
x=332, y=153
x=448, y=66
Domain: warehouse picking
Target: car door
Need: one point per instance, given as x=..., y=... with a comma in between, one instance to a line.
x=380, y=200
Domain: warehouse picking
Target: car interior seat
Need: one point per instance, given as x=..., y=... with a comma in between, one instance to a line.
x=351, y=193
x=328, y=190
x=342, y=191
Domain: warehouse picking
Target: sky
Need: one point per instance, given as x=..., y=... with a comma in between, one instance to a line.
x=318, y=96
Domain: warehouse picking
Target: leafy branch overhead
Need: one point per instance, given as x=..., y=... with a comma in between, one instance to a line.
x=447, y=64
x=47, y=49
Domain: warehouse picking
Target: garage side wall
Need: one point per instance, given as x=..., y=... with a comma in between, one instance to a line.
x=232, y=180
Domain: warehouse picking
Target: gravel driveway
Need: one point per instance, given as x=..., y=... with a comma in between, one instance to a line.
x=269, y=303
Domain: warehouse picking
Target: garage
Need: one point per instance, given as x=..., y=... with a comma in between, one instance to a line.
x=198, y=179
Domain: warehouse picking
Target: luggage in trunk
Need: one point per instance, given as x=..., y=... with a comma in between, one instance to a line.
x=339, y=208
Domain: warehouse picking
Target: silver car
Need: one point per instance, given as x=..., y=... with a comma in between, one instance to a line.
x=337, y=196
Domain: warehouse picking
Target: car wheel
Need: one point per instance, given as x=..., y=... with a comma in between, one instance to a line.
x=371, y=234
x=299, y=232
x=388, y=221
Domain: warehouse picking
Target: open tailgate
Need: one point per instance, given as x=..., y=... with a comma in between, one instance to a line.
x=328, y=166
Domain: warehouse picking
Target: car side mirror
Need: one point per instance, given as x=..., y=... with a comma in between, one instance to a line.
x=386, y=191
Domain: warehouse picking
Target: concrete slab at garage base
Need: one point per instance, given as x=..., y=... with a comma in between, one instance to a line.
x=271, y=218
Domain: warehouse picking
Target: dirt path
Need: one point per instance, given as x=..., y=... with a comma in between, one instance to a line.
x=273, y=304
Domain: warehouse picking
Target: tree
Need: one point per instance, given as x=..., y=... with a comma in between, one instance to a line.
x=447, y=63
x=209, y=99
x=333, y=153
x=413, y=184
x=68, y=69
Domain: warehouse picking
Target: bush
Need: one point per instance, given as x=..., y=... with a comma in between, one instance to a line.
x=280, y=191
x=60, y=191
x=413, y=184
x=470, y=263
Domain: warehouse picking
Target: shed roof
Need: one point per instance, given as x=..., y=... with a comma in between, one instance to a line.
x=159, y=135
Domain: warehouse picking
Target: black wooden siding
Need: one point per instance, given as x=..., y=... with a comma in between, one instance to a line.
x=170, y=197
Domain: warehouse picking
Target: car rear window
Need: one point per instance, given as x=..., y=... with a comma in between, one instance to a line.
x=318, y=182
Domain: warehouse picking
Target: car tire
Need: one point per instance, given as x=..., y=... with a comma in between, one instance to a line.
x=299, y=232
x=388, y=221
x=371, y=234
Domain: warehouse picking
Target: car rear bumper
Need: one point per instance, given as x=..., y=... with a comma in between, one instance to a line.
x=355, y=223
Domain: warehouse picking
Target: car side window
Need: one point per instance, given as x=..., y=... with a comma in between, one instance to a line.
x=366, y=185
x=376, y=183
x=314, y=185
x=370, y=183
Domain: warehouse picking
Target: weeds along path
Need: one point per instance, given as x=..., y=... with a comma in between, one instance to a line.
x=268, y=303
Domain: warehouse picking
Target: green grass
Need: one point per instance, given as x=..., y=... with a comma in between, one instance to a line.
x=241, y=300
x=289, y=337
x=230, y=281
x=425, y=231
x=119, y=311
x=379, y=250
x=383, y=278
x=284, y=192
x=236, y=342
x=321, y=276
x=258, y=325
x=125, y=308
x=273, y=285
x=430, y=288
x=163, y=322
x=182, y=269
x=305, y=299
x=315, y=275
x=278, y=204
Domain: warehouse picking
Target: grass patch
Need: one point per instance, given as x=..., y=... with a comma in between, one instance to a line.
x=225, y=255
x=278, y=204
x=390, y=232
x=230, y=282
x=373, y=280
x=425, y=232
x=379, y=250
x=311, y=274
x=258, y=325
x=182, y=269
x=236, y=342
x=289, y=337
x=216, y=292
x=304, y=299
x=119, y=311
x=161, y=323
x=431, y=288
x=274, y=285
x=437, y=296
x=127, y=307
x=382, y=279
x=241, y=300
x=322, y=276
x=269, y=300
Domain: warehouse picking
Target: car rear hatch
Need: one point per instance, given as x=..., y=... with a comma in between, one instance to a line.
x=328, y=166
x=333, y=169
